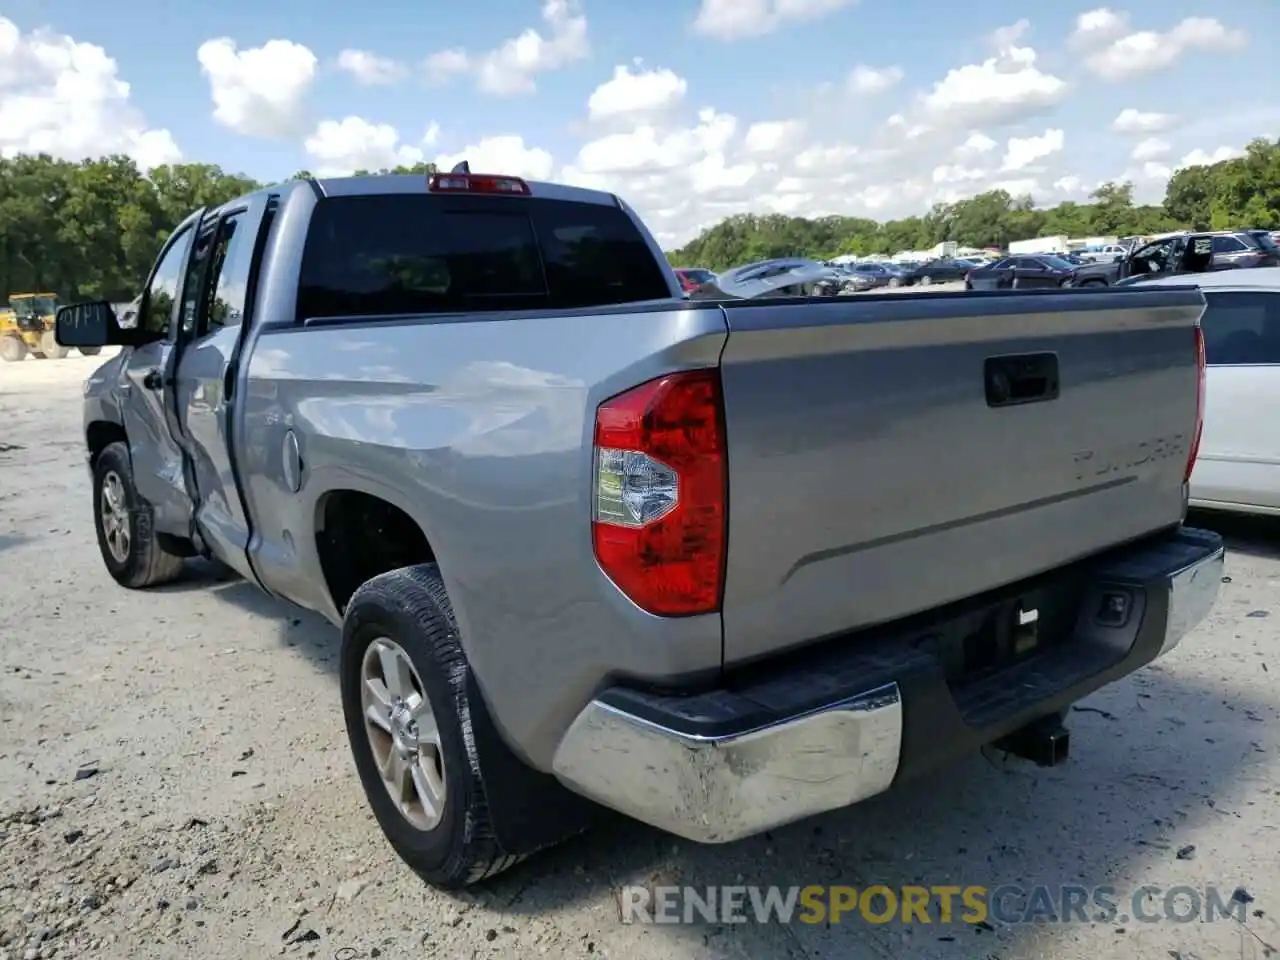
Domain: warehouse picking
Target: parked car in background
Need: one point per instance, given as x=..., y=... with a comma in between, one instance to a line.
x=691, y=278
x=875, y=274
x=785, y=277
x=942, y=270
x=1185, y=253
x=1107, y=254
x=1022, y=273
x=1238, y=468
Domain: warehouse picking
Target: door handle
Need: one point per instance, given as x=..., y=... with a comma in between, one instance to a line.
x=1028, y=378
x=154, y=379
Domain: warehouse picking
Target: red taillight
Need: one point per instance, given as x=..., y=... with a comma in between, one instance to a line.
x=477, y=183
x=1199, y=428
x=660, y=498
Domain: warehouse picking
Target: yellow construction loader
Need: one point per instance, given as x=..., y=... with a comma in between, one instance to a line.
x=27, y=327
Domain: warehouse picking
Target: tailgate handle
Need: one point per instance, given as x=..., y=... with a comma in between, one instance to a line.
x=1021, y=378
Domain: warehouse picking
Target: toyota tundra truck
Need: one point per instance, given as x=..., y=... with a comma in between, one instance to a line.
x=716, y=564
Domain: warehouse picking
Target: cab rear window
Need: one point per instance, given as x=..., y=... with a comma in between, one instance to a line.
x=1241, y=328
x=389, y=255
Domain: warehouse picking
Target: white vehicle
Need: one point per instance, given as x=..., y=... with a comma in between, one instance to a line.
x=1239, y=464
x=1107, y=254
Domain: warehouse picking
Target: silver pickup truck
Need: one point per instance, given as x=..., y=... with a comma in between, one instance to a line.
x=718, y=565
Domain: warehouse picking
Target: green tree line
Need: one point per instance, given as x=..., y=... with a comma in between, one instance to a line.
x=91, y=230
x=1243, y=192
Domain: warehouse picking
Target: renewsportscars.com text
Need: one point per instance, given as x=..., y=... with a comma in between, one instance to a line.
x=1008, y=904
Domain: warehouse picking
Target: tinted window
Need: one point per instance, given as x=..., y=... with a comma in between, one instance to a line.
x=700, y=276
x=1241, y=328
x=1264, y=240
x=229, y=275
x=367, y=256
x=162, y=291
x=1057, y=263
x=1227, y=245
x=192, y=286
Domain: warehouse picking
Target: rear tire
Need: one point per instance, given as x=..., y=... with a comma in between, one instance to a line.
x=895, y=282
x=125, y=525
x=50, y=347
x=926, y=281
x=1093, y=283
x=90, y=351
x=12, y=349
x=450, y=842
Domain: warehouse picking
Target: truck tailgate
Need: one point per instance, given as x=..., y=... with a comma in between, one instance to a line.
x=871, y=476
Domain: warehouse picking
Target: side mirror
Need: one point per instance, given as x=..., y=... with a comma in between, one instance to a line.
x=91, y=324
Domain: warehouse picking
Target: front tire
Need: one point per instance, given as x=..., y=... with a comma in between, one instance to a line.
x=12, y=349
x=89, y=351
x=50, y=347
x=404, y=680
x=125, y=525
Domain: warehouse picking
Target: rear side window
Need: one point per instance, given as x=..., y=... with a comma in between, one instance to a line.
x=1263, y=239
x=1241, y=328
x=1228, y=245
x=414, y=254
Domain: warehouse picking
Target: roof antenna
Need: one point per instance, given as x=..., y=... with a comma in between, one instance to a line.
x=461, y=167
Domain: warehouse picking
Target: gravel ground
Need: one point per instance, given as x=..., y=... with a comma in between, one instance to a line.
x=174, y=780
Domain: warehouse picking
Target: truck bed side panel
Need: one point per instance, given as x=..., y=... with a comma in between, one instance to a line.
x=481, y=429
x=869, y=478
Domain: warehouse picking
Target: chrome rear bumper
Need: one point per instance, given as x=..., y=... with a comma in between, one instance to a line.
x=756, y=766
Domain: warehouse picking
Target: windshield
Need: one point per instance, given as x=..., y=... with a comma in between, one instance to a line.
x=1058, y=263
x=45, y=305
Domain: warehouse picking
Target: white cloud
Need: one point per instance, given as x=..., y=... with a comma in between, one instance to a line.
x=1147, y=51
x=337, y=147
x=369, y=69
x=870, y=80
x=503, y=154
x=628, y=94
x=1152, y=148
x=259, y=92
x=775, y=137
x=1131, y=121
x=1071, y=185
x=957, y=173
x=1100, y=25
x=736, y=19
x=65, y=98
x=1001, y=89
x=443, y=66
x=1022, y=152
x=512, y=67
x=1198, y=158
x=1005, y=37
x=975, y=145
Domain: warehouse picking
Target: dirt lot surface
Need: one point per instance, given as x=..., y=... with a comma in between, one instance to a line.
x=175, y=781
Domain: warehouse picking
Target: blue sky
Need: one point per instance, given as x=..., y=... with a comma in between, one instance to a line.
x=910, y=133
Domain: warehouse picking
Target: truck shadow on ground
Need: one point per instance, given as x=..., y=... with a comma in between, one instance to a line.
x=1154, y=757
x=1255, y=536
